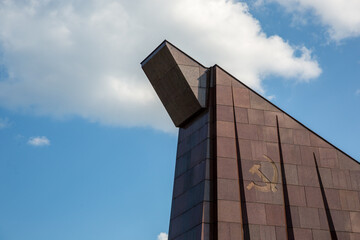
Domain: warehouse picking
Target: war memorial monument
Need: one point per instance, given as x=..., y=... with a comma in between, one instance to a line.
x=245, y=169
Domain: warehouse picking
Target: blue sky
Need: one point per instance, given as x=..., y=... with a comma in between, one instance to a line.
x=86, y=149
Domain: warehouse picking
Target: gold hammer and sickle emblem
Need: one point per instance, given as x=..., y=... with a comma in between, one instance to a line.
x=269, y=185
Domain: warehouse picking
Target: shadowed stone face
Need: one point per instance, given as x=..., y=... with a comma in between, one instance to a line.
x=245, y=169
x=179, y=81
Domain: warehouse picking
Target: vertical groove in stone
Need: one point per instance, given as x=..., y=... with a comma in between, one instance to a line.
x=326, y=205
x=243, y=213
x=213, y=155
x=289, y=225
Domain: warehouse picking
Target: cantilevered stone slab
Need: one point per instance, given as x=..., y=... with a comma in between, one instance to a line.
x=179, y=81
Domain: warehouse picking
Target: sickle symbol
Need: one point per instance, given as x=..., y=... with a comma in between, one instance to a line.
x=269, y=185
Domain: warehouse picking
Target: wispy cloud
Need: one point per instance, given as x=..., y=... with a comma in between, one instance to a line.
x=342, y=18
x=89, y=52
x=39, y=141
x=4, y=123
x=162, y=236
x=271, y=97
x=357, y=92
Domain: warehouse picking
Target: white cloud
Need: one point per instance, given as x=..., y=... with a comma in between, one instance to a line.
x=4, y=123
x=162, y=236
x=81, y=58
x=271, y=97
x=39, y=141
x=341, y=17
x=357, y=92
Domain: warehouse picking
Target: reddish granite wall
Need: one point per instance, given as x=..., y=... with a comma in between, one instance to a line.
x=191, y=195
x=299, y=207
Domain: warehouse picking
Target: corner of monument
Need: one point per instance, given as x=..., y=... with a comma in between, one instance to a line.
x=180, y=81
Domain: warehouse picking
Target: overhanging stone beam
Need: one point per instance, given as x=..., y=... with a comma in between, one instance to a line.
x=179, y=81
